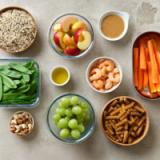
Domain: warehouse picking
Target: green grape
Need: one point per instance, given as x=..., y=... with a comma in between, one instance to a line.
x=87, y=118
x=73, y=123
x=67, y=118
x=60, y=111
x=77, y=110
x=74, y=100
x=75, y=133
x=62, y=123
x=56, y=117
x=64, y=103
x=84, y=105
x=64, y=133
x=80, y=119
x=68, y=112
x=81, y=128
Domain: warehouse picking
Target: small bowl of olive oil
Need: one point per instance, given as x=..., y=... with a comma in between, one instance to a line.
x=60, y=75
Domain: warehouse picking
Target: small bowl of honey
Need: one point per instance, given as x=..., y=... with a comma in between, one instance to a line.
x=113, y=25
x=59, y=75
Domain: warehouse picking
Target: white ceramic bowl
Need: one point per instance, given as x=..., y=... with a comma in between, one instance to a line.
x=56, y=67
x=92, y=63
x=123, y=15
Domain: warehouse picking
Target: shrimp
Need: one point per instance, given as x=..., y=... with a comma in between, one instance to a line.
x=115, y=70
x=104, y=71
x=115, y=78
x=95, y=76
x=94, y=71
x=108, y=84
x=108, y=64
x=99, y=84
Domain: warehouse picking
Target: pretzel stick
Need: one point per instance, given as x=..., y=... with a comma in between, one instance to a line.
x=121, y=123
x=125, y=138
x=139, y=109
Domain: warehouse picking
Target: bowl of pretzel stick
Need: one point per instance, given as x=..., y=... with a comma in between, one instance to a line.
x=124, y=121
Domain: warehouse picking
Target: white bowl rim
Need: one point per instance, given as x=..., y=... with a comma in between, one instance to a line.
x=94, y=61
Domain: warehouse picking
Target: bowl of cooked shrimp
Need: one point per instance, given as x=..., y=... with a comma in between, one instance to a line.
x=104, y=74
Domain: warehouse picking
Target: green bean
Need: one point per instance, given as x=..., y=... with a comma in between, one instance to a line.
x=17, y=82
x=26, y=78
x=5, y=88
x=20, y=68
x=11, y=73
x=8, y=82
x=1, y=89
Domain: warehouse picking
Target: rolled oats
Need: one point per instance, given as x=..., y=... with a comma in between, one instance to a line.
x=17, y=30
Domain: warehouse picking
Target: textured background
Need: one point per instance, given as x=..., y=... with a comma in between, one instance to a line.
x=41, y=144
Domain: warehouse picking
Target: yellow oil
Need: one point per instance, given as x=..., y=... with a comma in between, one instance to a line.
x=59, y=75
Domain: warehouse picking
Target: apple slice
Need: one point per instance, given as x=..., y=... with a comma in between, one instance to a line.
x=84, y=44
x=58, y=39
x=71, y=51
x=67, y=23
x=79, y=25
x=78, y=35
x=68, y=40
x=57, y=27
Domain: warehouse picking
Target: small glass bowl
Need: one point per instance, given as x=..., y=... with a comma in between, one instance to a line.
x=51, y=32
x=55, y=131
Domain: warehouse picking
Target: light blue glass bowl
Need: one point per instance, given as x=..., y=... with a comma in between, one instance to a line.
x=89, y=128
x=5, y=61
x=51, y=32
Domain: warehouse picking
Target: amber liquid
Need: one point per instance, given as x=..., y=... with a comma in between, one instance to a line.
x=112, y=26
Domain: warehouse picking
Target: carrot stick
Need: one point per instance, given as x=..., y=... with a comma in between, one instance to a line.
x=147, y=55
x=152, y=87
x=142, y=56
x=157, y=53
x=140, y=78
x=145, y=80
x=154, y=67
x=136, y=61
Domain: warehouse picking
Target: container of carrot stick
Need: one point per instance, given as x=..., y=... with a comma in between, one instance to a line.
x=124, y=121
x=146, y=64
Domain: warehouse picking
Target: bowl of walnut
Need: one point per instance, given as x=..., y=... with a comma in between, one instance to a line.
x=21, y=123
x=124, y=121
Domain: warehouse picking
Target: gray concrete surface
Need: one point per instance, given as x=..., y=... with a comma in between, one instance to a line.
x=41, y=145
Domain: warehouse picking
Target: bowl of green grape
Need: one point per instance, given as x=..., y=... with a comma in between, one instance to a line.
x=71, y=118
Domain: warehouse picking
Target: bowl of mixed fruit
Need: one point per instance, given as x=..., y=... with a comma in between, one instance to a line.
x=71, y=35
x=71, y=118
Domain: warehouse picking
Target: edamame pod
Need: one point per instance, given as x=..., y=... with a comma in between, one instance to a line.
x=1, y=88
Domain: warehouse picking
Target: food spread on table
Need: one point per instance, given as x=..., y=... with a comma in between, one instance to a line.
x=71, y=117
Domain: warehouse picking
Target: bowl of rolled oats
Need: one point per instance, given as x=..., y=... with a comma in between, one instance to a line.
x=124, y=121
x=21, y=123
x=18, y=29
